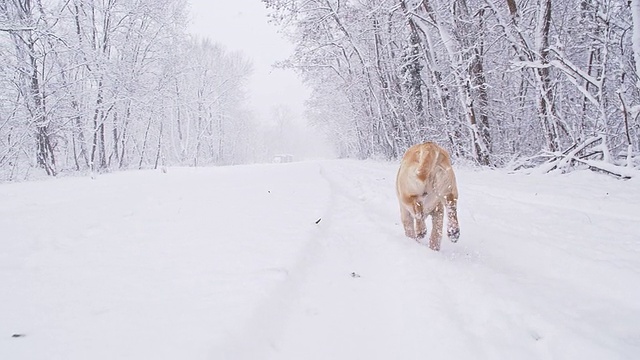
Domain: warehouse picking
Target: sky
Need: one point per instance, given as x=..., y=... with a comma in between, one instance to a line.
x=242, y=25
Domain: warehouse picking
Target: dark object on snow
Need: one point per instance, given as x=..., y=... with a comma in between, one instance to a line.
x=317, y=221
x=18, y=335
x=355, y=275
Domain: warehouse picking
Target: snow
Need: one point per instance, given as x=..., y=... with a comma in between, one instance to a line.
x=232, y=263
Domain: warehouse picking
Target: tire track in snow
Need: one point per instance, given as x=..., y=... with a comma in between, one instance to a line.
x=267, y=322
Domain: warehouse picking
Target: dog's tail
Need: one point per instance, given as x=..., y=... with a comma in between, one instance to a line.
x=430, y=168
x=427, y=162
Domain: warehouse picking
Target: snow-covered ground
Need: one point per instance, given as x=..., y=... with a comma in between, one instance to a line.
x=308, y=261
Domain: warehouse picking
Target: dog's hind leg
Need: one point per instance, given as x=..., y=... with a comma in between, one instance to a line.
x=437, y=217
x=453, y=227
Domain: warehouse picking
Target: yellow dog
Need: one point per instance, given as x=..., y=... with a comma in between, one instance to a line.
x=426, y=185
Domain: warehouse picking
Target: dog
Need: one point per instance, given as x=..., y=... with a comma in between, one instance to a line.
x=426, y=186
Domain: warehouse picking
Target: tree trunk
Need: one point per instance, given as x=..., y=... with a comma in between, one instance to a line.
x=44, y=151
x=546, y=109
x=479, y=83
x=457, y=47
x=97, y=146
x=144, y=144
x=159, y=148
x=635, y=17
x=413, y=73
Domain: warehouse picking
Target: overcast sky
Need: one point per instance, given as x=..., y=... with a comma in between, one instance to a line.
x=242, y=25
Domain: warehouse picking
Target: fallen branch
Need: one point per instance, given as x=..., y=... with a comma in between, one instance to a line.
x=592, y=152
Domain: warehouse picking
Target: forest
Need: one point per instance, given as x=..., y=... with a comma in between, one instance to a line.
x=101, y=85
x=526, y=83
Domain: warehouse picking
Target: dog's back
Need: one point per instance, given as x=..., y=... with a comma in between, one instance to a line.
x=426, y=171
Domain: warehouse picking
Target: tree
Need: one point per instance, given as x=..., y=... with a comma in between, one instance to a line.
x=29, y=37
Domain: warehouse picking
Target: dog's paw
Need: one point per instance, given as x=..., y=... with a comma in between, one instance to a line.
x=410, y=233
x=453, y=234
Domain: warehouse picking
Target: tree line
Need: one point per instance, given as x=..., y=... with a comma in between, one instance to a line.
x=94, y=85
x=495, y=81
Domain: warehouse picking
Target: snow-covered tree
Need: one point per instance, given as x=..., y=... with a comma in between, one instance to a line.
x=107, y=84
x=491, y=80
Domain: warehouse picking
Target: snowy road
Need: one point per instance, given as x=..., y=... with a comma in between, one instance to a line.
x=308, y=261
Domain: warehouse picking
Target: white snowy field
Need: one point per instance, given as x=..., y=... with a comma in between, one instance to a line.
x=232, y=263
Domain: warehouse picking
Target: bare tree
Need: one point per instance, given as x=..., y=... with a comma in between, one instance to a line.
x=30, y=48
